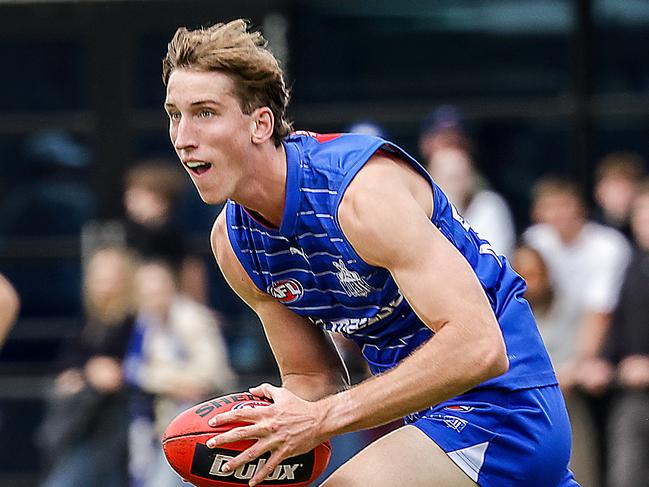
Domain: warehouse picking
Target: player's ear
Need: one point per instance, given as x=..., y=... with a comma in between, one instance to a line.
x=264, y=122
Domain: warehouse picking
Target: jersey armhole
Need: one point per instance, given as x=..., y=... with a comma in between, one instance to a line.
x=387, y=149
x=391, y=150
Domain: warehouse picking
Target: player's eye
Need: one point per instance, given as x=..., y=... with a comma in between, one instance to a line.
x=174, y=116
x=205, y=113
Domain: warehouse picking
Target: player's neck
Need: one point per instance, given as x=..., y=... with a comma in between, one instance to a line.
x=263, y=190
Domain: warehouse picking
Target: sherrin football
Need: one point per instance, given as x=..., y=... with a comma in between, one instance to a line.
x=184, y=445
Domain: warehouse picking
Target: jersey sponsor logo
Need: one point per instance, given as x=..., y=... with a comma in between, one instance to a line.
x=351, y=281
x=286, y=291
x=350, y=325
x=208, y=463
x=246, y=472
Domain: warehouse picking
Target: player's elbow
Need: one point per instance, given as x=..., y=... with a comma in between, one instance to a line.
x=494, y=358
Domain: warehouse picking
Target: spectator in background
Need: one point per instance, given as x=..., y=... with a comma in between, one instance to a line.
x=85, y=430
x=452, y=168
x=9, y=307
x=626, y=358
x=443, y=128
x=586, y=261
x=447, y=149
x=177, y=356
x=152, y=188
x=557, y=317
x=617, y=178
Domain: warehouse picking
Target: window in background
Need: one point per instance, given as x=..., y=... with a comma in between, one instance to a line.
x=150, y=50
x=384, y=50
x=41, y=75
x=42, y=209
x=620, y=40
x=621, y=134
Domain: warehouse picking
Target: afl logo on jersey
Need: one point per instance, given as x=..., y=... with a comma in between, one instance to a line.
x=286, y=291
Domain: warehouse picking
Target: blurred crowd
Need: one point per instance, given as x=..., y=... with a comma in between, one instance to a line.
x=155, y=340
x=150, y=346
x=587, y=273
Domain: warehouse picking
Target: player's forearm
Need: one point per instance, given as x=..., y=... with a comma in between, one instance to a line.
x=447, y=365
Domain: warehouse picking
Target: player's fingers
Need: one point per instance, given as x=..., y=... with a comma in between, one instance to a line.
x=268, y=468
x=245, y=456
x=264, y=390
x=234, y=435
x=248, y=415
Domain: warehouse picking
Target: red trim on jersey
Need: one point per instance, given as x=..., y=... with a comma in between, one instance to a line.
x=321, y=138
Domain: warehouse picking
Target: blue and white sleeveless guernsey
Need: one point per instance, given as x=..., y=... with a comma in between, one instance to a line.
x=309, y=266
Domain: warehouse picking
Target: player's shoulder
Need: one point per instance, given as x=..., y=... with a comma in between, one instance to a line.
x=384, y=182
x=306, y=137
x=369, y=190
x=335, y=150
x=219, y=235
x=380, y=206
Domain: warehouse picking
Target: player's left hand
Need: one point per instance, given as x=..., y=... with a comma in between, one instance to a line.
x=288, y=427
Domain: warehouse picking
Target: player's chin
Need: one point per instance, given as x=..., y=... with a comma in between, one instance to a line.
x=211, y=197
x=208, y=193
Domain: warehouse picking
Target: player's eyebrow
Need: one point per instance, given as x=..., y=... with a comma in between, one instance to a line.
x=207, y=102
x=197, y=103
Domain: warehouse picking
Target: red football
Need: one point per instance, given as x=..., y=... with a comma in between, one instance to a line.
x=184, y=444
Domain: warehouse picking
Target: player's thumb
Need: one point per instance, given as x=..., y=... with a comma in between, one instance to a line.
x=264, y=390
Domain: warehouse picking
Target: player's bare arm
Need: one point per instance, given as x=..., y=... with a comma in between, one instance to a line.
x=467, y=349
x=308, y=362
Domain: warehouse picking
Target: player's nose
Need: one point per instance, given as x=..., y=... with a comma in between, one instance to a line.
x=185, y=136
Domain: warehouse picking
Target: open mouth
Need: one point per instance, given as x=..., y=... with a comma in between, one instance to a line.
x=199, y=168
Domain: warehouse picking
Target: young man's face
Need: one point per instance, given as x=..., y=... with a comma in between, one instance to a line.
x=208, y=130
x=561, y=210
